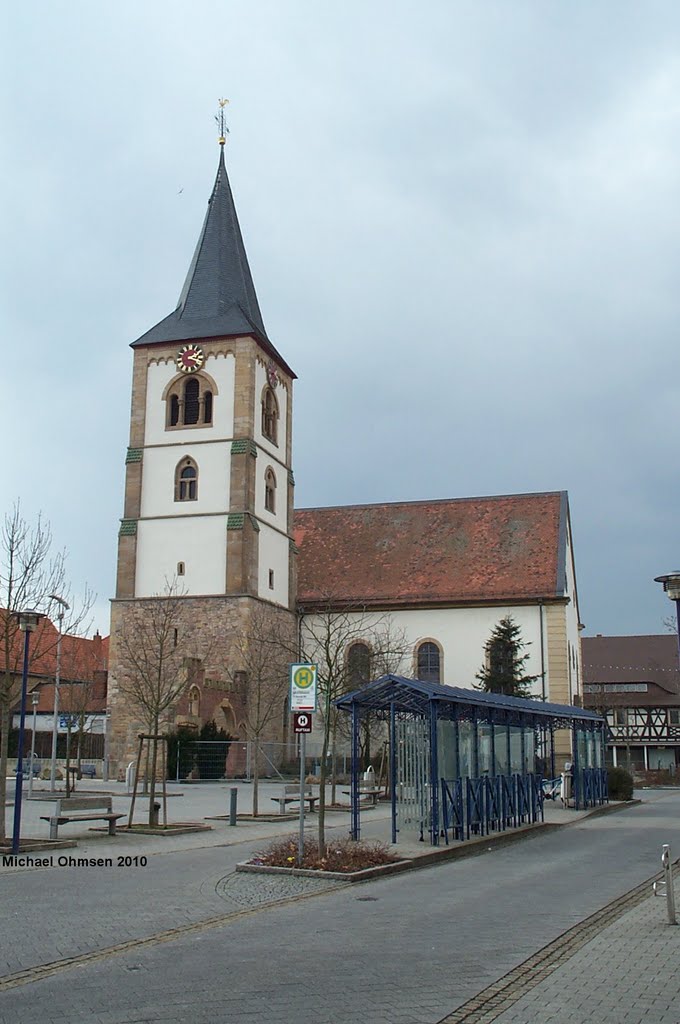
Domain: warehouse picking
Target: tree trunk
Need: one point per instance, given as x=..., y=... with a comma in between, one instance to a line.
x=256, y=779
x=4, y=748
x=154, y=765
x=334, y=774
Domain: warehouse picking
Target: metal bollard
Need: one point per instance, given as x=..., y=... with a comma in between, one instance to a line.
x=154, y=814
x=233, y=796
x=665, y=887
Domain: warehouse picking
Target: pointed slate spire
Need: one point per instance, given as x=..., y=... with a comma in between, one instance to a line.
x=218, y=297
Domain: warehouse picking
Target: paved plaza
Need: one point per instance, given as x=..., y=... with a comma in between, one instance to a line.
x=558, y=926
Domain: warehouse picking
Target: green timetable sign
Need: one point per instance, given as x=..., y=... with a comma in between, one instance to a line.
x=303, y=687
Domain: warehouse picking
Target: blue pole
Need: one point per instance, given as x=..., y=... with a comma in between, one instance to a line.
x=434, y=783
x=355, y=827
x=20, y=750
x=393, y=770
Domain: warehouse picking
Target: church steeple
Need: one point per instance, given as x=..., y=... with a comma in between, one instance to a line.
x=218, y=298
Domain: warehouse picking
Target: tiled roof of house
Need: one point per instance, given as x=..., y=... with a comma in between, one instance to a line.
x=463, y=550
x=632, y=659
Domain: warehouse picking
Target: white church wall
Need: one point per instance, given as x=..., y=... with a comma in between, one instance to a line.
x=200, y=542
x=462, y=635
x=279, y=449
x=158, y=479
x=273, y=557
x=159, y=375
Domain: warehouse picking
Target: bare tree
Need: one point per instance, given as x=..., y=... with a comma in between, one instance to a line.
x=83, y=684
x=29, y=575
x=260, y=658
x=326, y=637
x=159, y=651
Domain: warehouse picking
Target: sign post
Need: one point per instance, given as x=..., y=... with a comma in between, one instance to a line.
x=303, y=706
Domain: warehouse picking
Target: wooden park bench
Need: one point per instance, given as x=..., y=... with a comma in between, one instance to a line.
x=95, y=808
x=291, y=794
x=372, y=792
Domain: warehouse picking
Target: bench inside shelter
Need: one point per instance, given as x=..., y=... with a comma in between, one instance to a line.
x=82, y=808
x=291, y=794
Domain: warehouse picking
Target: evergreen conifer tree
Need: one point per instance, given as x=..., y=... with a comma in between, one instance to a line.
x=504, y=669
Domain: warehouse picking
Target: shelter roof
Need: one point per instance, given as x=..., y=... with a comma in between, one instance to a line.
x=414, y=696
x=507, y=548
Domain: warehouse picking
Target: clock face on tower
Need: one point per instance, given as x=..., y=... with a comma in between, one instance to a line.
x=190, y=358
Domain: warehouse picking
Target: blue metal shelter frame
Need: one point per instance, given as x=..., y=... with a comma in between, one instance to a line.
x=480, y=800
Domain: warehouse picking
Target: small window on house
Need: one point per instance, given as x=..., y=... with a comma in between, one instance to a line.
x=358, y=665
x=621, y=717
x=270, y=490
x=674, y=716
x=270, y=415
x=186, y=480
x=175, y=637
x=429, y=662
x=271, y=579
x=180, y=568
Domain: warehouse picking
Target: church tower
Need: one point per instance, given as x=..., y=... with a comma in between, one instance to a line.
x=209, y=483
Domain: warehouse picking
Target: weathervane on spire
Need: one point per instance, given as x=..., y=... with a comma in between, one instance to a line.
x=219, y=118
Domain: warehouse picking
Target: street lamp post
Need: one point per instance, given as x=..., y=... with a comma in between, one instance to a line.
x=63, y=607
x=671, y=585
x=35, y=700
x=27, y=623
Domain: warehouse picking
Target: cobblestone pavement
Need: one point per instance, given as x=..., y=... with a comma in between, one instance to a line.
x=425, y=944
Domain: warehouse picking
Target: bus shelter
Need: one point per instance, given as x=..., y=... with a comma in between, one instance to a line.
x=465, y=762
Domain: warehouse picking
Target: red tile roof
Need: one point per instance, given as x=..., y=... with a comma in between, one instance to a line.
x=457, y=551
x=81, y=657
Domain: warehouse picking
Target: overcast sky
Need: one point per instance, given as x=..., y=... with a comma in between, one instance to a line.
x=463, y=223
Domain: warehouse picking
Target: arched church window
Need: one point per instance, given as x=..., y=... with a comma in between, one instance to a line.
x=270, y=490
x=429, y=662
x=270, y=415
x=207, y=407
x=195, y=701
x=358, y=665
x=186, y=480
x=191, y=402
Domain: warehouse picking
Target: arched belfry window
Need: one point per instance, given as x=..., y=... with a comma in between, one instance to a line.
x=189, y=401
x=358, y=665
x=194, y=701
x=270, y=490
x=429, y=662
x=186, y=480
x=270, y=415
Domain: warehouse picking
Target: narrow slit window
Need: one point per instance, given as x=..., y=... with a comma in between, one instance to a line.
x=271, y=579
x=270, y=415
x=180, y=568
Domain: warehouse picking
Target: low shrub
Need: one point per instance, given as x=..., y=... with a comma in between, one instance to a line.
x=620, y=784
x=341, y=855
